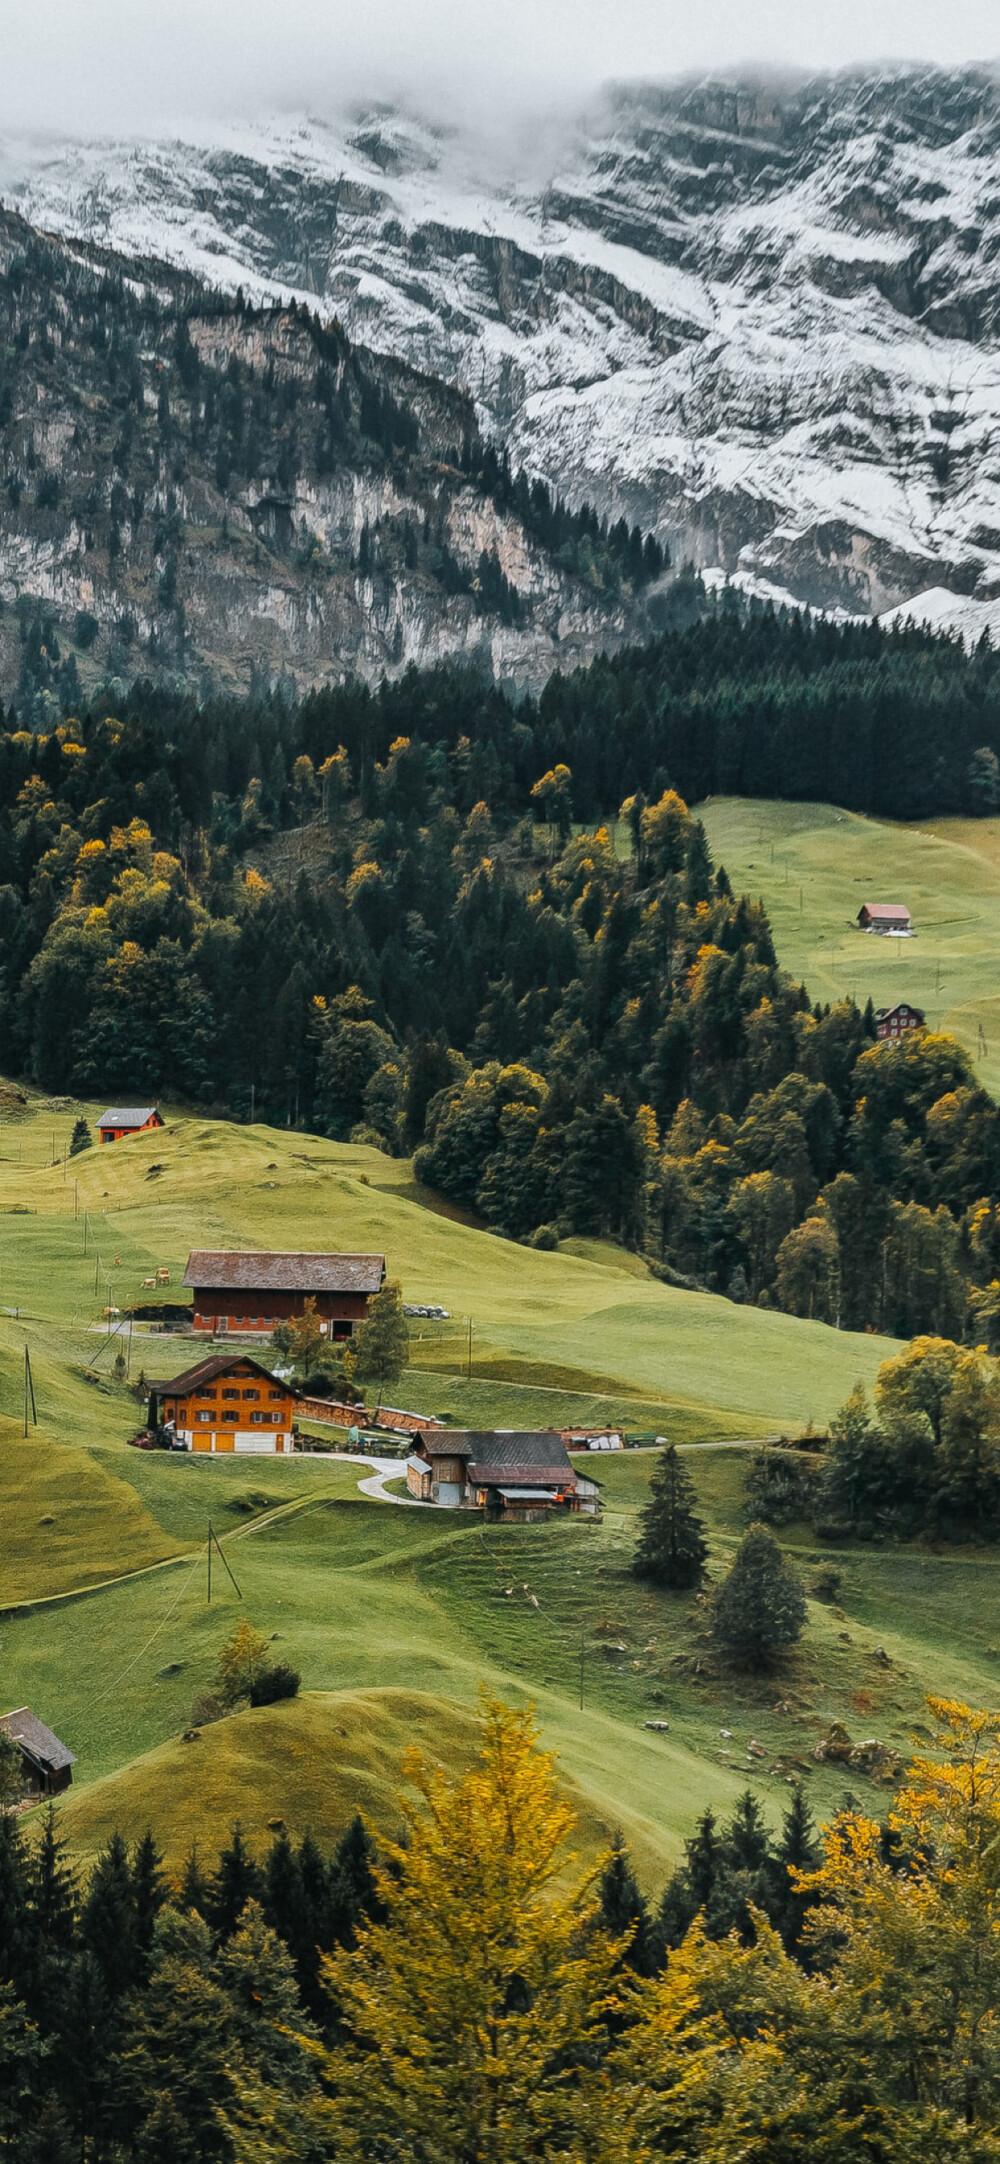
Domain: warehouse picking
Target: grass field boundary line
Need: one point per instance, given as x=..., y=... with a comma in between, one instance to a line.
x=100, y=1585
x=144, y=1649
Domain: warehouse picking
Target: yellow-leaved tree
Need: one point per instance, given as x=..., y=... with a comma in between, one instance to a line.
x=472, y=2015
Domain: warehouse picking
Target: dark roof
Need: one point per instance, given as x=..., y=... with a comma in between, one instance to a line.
x=36, y=1741
x=498, y=1454
x=234, y=1270
x=128, y=1115
x=206, y=1371
x=902, y=1006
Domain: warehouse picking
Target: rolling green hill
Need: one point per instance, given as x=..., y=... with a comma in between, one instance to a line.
x=395, y=1618
x=814, y=866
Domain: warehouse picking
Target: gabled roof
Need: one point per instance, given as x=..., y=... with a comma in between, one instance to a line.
x=36, y=1741
x=885, y=909
x=208, y=1371
x=902, y=1006
x=234, y=1270
x=128, y=1115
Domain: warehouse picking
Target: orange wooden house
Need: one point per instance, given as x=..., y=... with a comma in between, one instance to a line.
x=122, y=1120
x=228, y=1402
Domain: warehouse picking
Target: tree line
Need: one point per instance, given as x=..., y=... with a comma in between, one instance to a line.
x=461, y=1993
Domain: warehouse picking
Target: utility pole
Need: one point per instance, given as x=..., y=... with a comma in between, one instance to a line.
x=29, y=1392
x=583, y=1653
x=470, y=1350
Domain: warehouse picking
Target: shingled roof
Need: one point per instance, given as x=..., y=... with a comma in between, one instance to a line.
x=36, y=1741
x=532, y=1457
x=128, y=1115
x=232, y=1270
x=208, y=1371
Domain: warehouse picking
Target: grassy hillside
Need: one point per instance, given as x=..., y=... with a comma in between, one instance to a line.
x=395, y=1618
x=559, y=1336
x=814, y=866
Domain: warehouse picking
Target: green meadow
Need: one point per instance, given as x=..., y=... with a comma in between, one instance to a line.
x=814, y=865
x=396, y=1618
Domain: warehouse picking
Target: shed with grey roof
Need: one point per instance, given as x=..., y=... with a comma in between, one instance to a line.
x=47, y=1764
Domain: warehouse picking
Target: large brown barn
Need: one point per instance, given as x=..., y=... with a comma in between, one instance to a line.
x=234, y=1290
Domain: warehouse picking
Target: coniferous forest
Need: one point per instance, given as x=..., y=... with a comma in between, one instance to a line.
x=462, y=1993
x=492, y=935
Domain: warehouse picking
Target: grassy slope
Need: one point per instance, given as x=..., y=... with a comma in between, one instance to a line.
x=395, y=1617
x=814, y=866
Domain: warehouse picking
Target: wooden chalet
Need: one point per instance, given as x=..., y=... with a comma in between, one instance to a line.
x=46, y=1764
x=898, y=1021
x=884, y=917
x=228, y=1402
x=234, y=1290
x=508, y=1473
x=121, y=1120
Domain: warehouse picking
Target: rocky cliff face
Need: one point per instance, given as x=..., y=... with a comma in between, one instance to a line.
x=197, y=487
x=761, y=317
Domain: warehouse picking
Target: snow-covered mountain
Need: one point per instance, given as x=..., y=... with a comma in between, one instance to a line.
x=760, y=317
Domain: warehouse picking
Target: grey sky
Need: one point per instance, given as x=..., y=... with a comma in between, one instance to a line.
x=124, y=65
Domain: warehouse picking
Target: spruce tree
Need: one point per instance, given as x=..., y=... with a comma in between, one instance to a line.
x=236, y=1881
x=108, y=1924
x=671, y=1549
x=150, y=1892
x=797, y=1850
x=760, y=1608
x=623, y=1908
x=81, y=1137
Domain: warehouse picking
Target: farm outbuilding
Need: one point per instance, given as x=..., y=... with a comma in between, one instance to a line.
x=884, y=917
x=121, y=1120
x=46, y=1764
x=236, y=1290
x=509, y=1473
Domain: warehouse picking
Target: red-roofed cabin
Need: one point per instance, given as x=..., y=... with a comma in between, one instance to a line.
x=884, y=917
x=122, y=1120
x=234, y=1290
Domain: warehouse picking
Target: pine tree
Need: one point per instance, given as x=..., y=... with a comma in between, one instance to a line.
x=236, y=1881
x=81, y=1137
x=353, y=1890
x=108, y=1923
x=797, y=1850
x=622, y=1908
x=671, y=1549
x=760, y=1608
x=194, y=1892
x=149, y=1888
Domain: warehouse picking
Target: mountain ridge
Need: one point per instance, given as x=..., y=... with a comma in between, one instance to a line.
x=759, y=316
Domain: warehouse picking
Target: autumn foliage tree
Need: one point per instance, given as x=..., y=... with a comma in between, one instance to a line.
x=472, y=2014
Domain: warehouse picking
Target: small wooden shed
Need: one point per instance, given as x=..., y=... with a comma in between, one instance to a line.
x=46, y=1763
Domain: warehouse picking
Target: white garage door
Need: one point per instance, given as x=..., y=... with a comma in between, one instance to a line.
x=257, y=1440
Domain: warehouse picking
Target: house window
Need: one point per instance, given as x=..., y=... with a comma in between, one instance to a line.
x=276, y=1419
x=275, y=1393
x=204, y=1416
x=230, y=1393
x=251, y=1393
x=256, y=1419
x=230, y=1416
